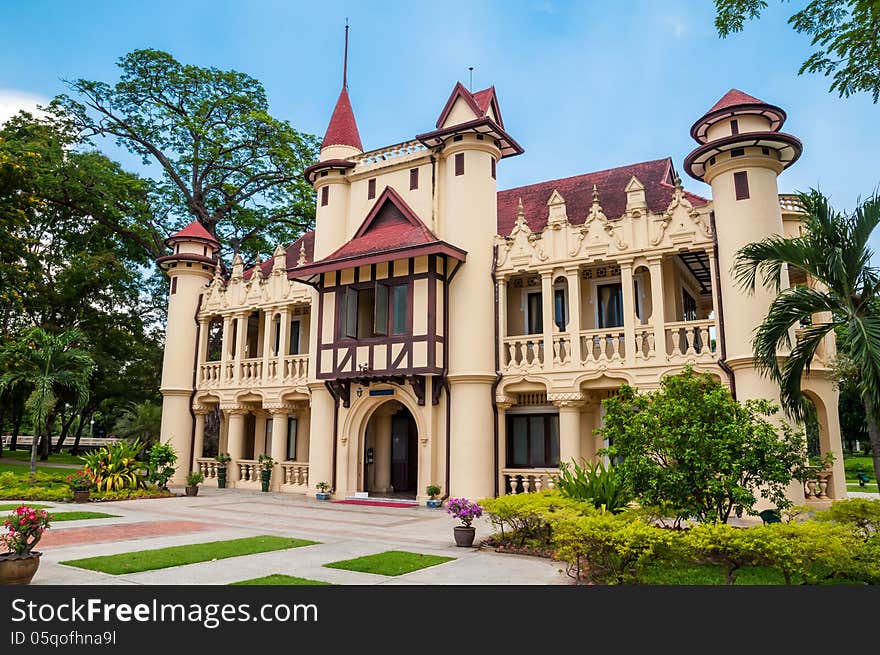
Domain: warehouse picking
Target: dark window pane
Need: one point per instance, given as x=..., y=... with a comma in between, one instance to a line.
x=325, y=196
x=350, y=314
x=559, y=308
x=689, y=305
x=294, y=338
x=610, y=305
x=291, y=438
x=399, y=308
x=366, y=300
x=537, y=454
x=459, y=164
x=414, y=179
x=741, y=185
x=553, y=459
x=535, y=314
x=518, y=454
x=371, y=189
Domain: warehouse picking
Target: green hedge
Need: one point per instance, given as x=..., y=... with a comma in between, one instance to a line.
x=838, y=546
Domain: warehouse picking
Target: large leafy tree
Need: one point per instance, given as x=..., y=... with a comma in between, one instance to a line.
x=48, y=365
x=691, y=449
x=224, y=160
x=72, y=267
x=845, y=34
x=833, y=251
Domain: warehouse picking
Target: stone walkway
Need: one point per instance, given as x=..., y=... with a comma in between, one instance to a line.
x=344, y=531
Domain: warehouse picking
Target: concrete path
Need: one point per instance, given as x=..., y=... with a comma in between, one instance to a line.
x=344, y=531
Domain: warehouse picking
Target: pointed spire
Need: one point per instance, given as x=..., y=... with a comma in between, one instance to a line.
x=343, y=130
x=595, y=195
x=302, y=254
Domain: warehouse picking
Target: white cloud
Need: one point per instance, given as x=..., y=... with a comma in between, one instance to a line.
x=12, y=101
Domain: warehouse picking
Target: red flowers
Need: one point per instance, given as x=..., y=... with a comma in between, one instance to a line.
x=24, y=528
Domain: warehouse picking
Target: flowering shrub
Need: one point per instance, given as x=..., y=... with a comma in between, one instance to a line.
x=464, y=510
x=80, y=481
x=24, y=528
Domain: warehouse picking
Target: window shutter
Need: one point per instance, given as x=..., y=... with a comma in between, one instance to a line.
x=380, y=310
x=371, y=189
x=414, y=179
x=325, y=196
x=459, y=164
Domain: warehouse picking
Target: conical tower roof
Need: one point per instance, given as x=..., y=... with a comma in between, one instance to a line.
x=342, y=130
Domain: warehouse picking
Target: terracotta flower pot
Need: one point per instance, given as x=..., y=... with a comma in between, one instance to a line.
x=464, y=535
x=18, y=569
x=193, y=490
x=81, y=496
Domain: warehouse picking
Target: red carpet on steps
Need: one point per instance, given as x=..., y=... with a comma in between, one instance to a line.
x=374, y=503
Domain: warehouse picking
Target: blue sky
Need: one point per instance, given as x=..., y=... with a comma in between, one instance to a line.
x=583, y=86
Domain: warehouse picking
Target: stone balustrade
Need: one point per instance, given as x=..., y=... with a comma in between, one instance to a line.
x=254, y=372
x=561, y=348
x=790, y=203
x=603, y=347
x=690, y=338
x=208, y=467
x=523, y=352
x=295, y=476
x=391, y=154
x=526, y=480
x=816, y=486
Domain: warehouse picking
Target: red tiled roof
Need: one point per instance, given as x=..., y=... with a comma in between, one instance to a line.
x=655, y=176
x=292, y=254
x=196, y=231
x=735, y=97
x=391, y=224
x=391, y=230
x=479, y=103
x=342, y=130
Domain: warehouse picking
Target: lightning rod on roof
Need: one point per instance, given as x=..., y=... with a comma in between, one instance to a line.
x=471, y=81
x=345, y=60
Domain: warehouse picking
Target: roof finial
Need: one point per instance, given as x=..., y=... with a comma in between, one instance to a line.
x=345, y=60
x=595, y=195
x=471, y=81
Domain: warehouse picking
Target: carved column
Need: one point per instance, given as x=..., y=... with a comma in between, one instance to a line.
x=547, y=317
x=569, y=405
x=382, y=453
x=658, y=308
x=240, y=342
x=279, y=442
x=503, y=403
x=259, y=434
x=502, y=321
x=235, y=416
x=283, y=341
x=573, y=278
x=226, y=351
x=629, y=311
x=203, y=348
x=199, y=442
x=267, y=341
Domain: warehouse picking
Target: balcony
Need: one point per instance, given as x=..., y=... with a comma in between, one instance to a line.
x=255, y=372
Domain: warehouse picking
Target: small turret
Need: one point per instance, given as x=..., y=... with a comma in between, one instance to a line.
x=191, y=266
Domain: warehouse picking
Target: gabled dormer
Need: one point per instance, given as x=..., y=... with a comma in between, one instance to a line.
x=464, y=106
x=382, y=297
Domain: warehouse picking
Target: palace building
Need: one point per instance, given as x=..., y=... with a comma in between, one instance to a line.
x=433, y=329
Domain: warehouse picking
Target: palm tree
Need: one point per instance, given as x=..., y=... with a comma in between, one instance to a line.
x=47, y=364
x=833, y=250
x=140, y=420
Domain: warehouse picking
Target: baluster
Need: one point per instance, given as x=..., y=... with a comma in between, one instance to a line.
x=539, y=483
x=615, y=346
x=556, y=356
x=551, y=483
x=676, y=342
x=513, y=484
x=637, y=348
x=651, y=344
x=511, y=356
x=704, y=340
x=689, y=335
x=526, y=483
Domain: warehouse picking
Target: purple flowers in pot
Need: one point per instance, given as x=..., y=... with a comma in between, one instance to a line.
x=464, y=510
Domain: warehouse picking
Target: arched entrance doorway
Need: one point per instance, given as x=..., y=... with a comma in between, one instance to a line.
x=391, y=452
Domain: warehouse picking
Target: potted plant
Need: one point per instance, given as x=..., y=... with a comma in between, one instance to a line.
x=80, y=483
x=465, y=511
x=433, y=490
x=23, y=529
x=266, y=464
x=222, y=460
x=323, y=491
x=193, y=480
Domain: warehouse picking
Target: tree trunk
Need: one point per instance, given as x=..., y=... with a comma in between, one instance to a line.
x=2, y=415
x=65, y=428
x=34, y=444
x=874, y=438
x=17, y=418
x=83, y=420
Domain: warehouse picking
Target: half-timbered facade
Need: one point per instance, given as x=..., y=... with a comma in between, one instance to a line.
x=433, y=329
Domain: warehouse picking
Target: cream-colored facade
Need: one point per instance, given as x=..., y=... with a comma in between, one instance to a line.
x=435, y=330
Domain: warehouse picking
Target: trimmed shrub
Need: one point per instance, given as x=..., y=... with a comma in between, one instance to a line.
x=612, y=549
x=115, y=466
x=862, y=514
x=529, y=516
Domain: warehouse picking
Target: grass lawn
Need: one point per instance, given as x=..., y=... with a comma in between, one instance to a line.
x=280, y=580
x=54, y=458
x=12, y=506
x=869, y=488
x=81, y=516
x=391, y=562
x=163, y=558
x=707, y=574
